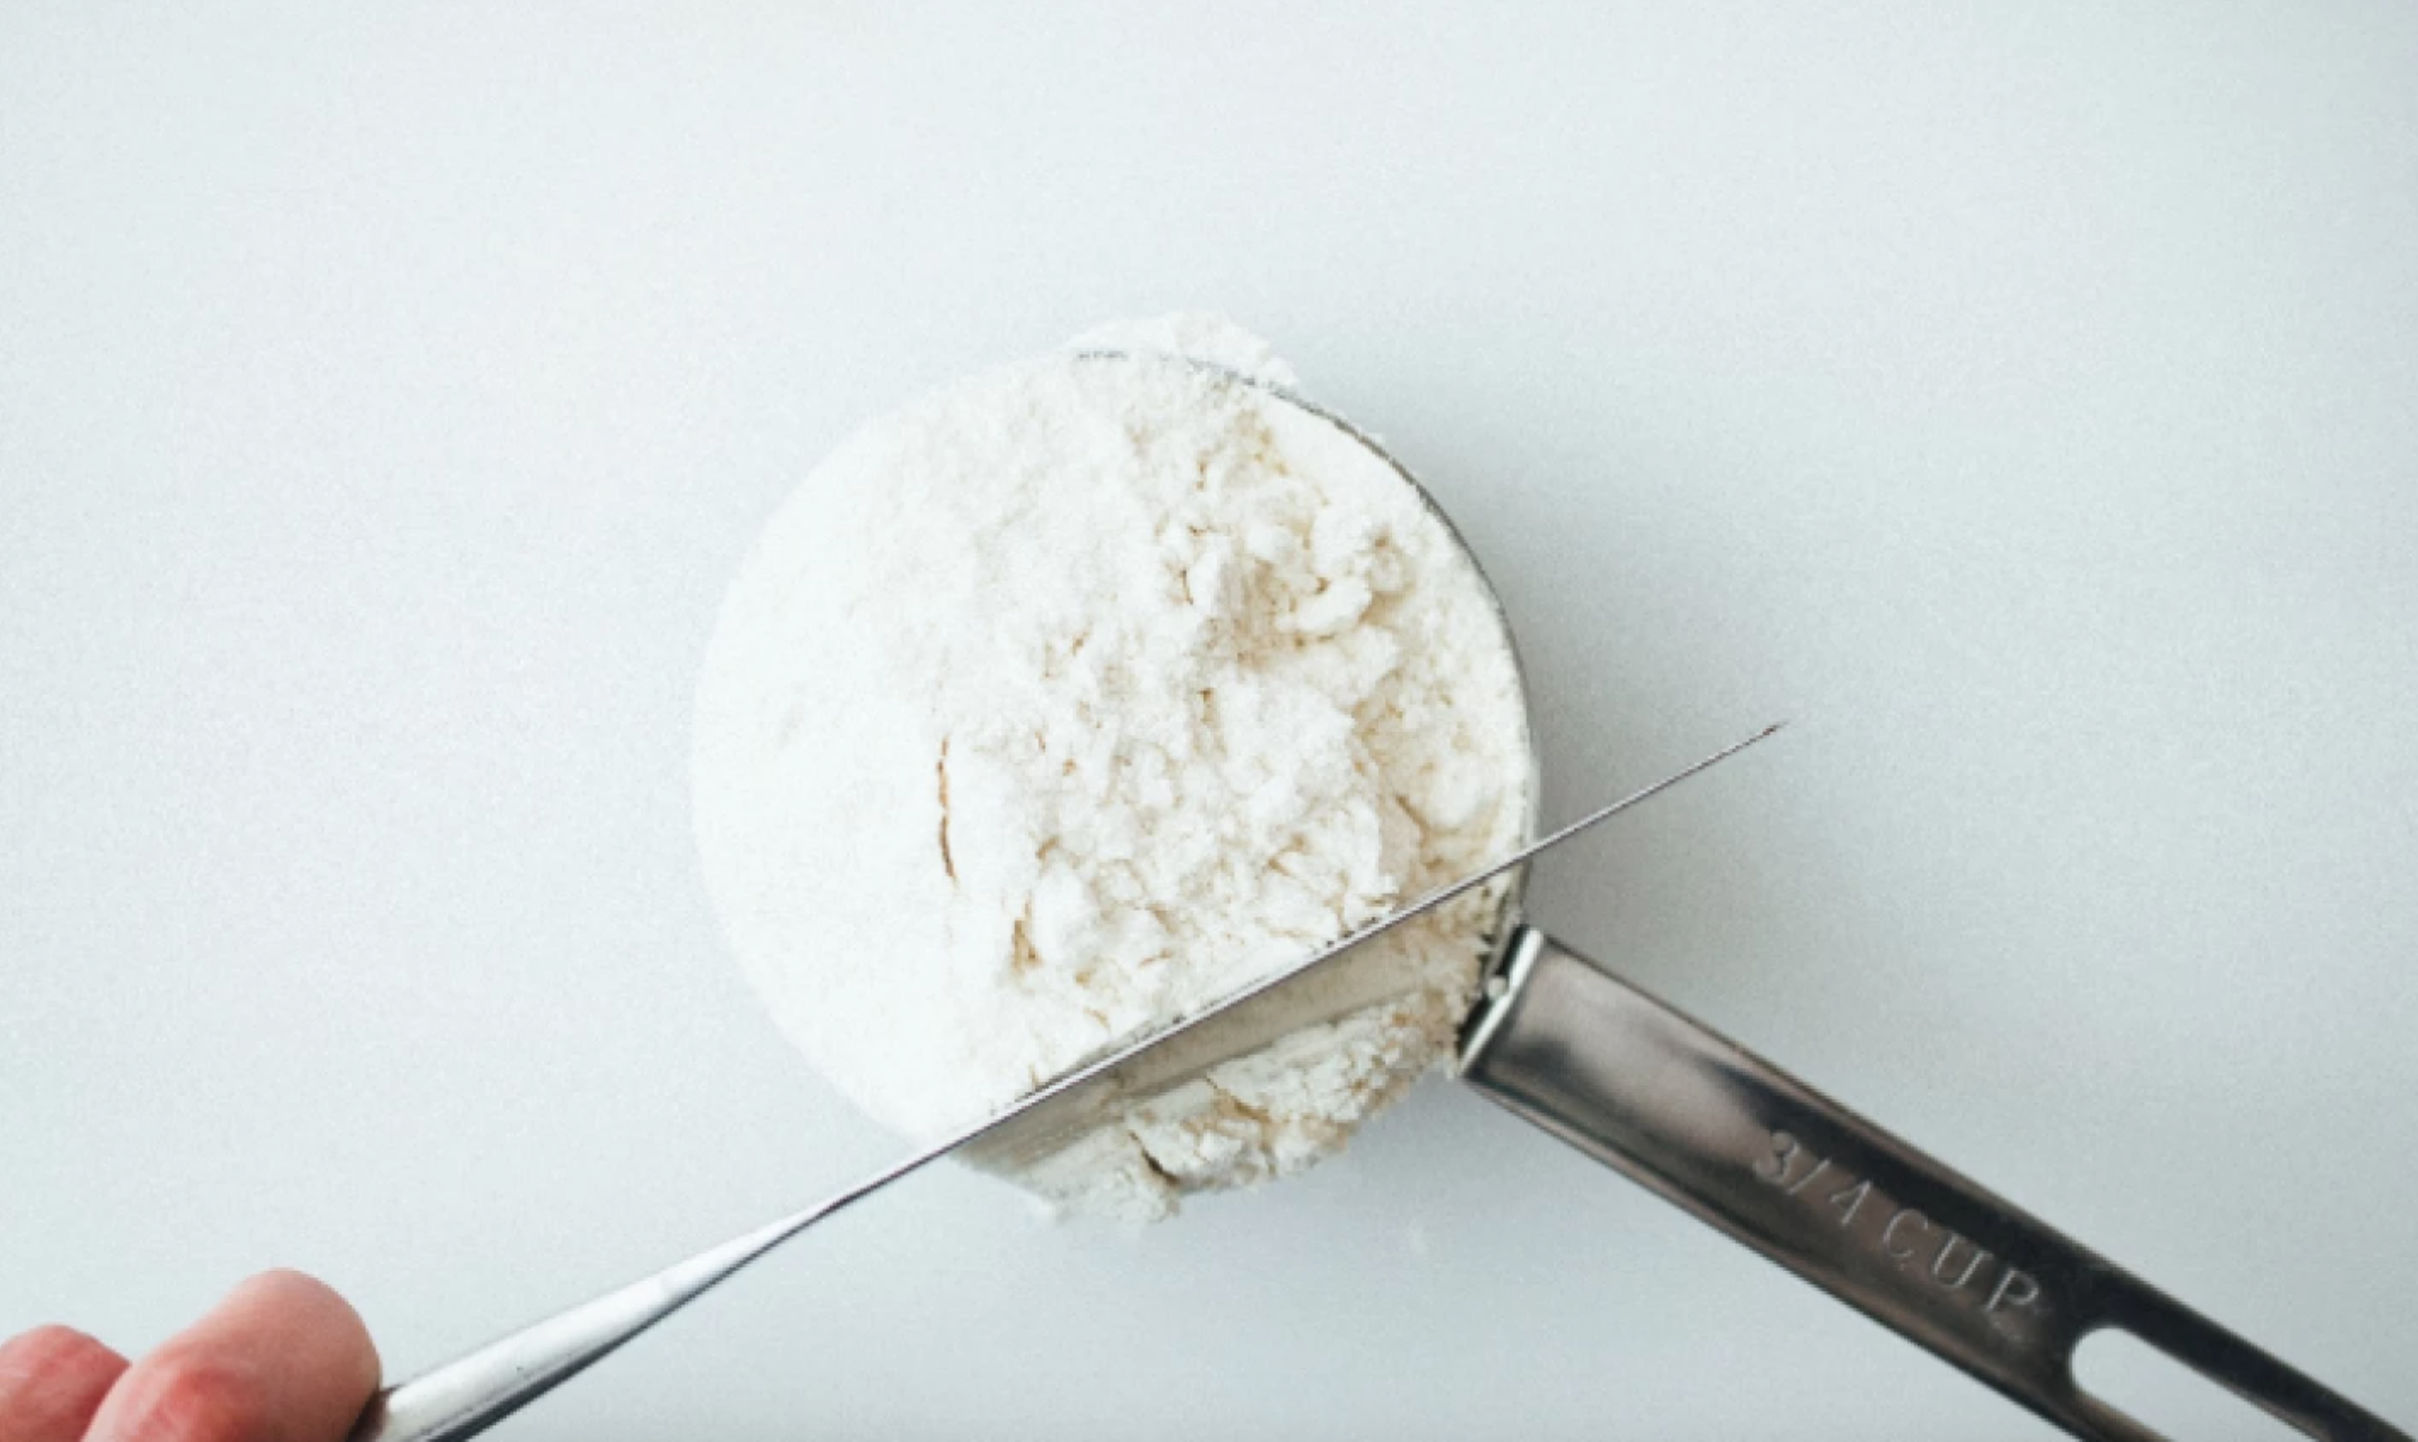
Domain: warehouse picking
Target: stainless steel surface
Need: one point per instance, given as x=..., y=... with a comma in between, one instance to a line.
x=472, y=1393
x=1840, y=1202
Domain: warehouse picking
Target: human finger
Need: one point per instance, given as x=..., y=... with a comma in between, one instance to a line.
x=282, y=1359
x=52, y=1380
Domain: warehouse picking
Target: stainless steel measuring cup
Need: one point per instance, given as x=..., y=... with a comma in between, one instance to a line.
x=1561, y=1041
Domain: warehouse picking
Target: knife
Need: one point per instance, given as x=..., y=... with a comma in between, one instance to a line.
x=1560, y=1041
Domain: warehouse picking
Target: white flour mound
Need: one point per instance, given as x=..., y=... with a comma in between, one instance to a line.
x=1073, y=697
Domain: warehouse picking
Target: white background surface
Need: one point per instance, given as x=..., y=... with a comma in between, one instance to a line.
x=2023, y=398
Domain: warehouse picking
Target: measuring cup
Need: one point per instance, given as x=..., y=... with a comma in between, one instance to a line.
x=1563, y=1042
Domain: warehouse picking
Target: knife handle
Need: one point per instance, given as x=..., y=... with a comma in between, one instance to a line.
x=1841, y=1203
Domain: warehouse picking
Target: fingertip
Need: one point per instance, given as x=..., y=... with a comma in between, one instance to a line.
x=56, y=1350
x=301, y=1303
x=283, y=1288
x=282, y=1358
x=52, y=1380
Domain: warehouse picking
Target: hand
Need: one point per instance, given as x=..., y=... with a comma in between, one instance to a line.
x=282, y=1359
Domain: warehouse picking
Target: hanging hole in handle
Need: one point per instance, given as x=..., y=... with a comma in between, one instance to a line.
x=2170, y=1397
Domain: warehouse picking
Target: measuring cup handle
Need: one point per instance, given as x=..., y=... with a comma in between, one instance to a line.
x=1840, y=1202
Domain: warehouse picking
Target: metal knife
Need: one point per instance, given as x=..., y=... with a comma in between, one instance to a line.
x=1558, y=1040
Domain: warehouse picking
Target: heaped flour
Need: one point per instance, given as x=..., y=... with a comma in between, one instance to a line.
x=1070, y=698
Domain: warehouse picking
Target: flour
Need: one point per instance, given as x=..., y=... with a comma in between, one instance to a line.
x=1069, y=699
